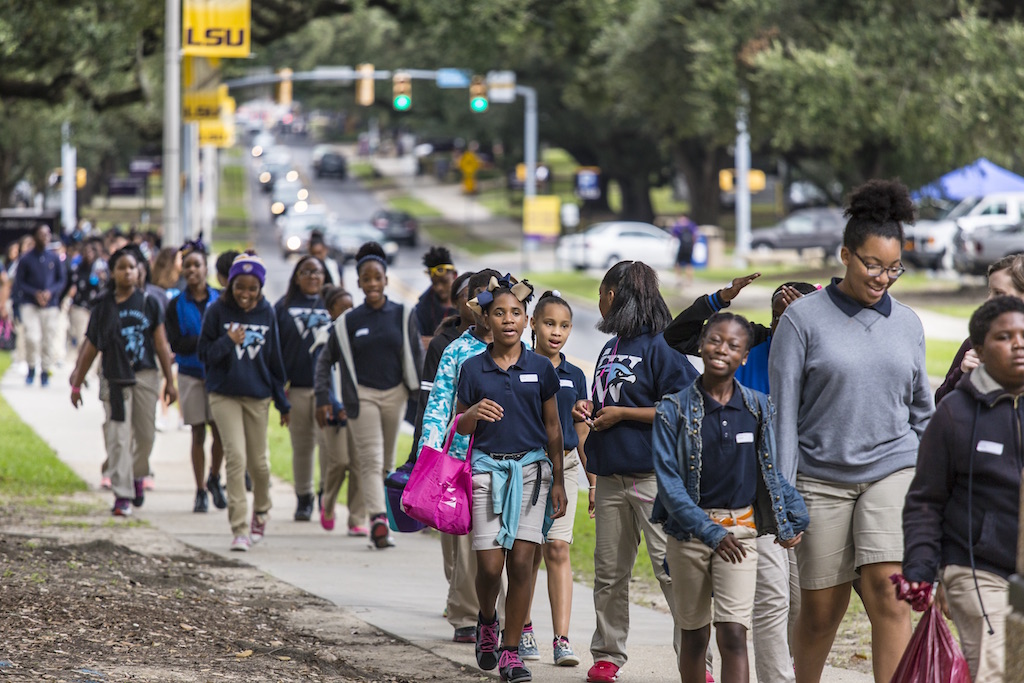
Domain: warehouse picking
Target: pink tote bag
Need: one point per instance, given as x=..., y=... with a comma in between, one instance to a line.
x=440, y=489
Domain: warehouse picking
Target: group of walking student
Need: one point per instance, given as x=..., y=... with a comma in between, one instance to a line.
x=802, y=464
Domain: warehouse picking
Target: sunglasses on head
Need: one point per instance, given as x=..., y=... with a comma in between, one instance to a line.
x=441, y=270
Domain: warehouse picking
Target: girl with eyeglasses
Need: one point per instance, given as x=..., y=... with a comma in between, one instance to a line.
x=847, y=372
x=301, y=312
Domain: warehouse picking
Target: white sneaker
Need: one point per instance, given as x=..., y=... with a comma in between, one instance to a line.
x=240, y=544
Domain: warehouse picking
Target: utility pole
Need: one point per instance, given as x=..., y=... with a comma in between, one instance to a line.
x=69, y=181
x=171, y=169
x=742, y=162
x=529, y=139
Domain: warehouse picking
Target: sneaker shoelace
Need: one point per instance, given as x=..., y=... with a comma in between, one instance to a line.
x=510, y=659
x=489, y=637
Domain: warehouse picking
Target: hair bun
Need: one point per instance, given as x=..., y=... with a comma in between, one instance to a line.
x=881, y=201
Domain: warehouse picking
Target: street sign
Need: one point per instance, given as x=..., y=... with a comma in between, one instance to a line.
x=501, y=86
x=587, y=182
x=541, y=216
x=452, y=78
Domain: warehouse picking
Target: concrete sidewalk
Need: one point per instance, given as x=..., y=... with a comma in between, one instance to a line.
x=401, y=590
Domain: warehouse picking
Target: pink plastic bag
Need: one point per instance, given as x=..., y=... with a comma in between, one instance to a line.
x=932, y=655
x=440, y=489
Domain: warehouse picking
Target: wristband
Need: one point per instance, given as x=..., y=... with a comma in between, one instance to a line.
x=76, y=390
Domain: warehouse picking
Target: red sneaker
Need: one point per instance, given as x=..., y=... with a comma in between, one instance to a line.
x=602, y=672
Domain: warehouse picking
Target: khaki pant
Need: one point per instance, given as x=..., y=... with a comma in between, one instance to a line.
x=985, y=654
x=242, y=422
x=776, y=604
x=40, y=327
x=78, y=318
x=129, y=443
x=335, y=465
x=306, y=436
x=623, y=505
x=375, y=433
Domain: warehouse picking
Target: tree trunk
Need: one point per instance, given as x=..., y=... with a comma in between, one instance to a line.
x=699, y=164
x=636, y=198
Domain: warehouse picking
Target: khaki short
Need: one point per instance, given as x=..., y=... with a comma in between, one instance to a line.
x=486, y=523
x=851, y=525
x=192, y=401
x=561, y=528
x=697, y=572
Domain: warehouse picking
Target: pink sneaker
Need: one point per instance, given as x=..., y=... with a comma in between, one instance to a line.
x=602, y=672
x=326, y=522
x=148, y=483
x=708, y=678
x=105, y=483
x=358, y=531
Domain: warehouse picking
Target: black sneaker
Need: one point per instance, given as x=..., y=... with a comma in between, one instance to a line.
x=216, y=491
x=304, y=509
x=44, y=379
x=140, y=493
x=486, y=643
x=511, y=668
x=248, y=482
x=380, y=533
x=31, y=376
x=201, y=504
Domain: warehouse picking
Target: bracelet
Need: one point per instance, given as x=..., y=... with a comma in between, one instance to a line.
x=593, y=487
x=76, y=390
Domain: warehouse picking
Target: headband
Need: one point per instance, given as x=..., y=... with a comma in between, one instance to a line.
x=371, y=257
x=248, y=264
x=521, y=290
x=462, y=288
x=194, y=245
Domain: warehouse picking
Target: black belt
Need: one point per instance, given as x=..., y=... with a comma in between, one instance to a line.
x=508, y=456
x=519, y=456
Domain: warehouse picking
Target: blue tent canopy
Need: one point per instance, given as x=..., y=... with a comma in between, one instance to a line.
x=974, y=180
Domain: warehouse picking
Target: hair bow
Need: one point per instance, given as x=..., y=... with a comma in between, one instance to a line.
x=520, y=289
x=194, y=245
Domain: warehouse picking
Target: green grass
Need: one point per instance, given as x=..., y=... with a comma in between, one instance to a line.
x=413, y=206
x=964, y=311
x=27, y=464
x=939, y=355
x=361, y=169
x=569, y=283
x=445, y=233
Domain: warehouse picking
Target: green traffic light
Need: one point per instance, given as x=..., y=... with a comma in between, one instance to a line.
x=402, y=102
x=478, y=104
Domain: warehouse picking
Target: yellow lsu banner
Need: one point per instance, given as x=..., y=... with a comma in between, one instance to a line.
x=215, y=28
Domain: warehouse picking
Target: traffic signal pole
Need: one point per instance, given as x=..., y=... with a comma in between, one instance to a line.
x=171, y=165
x=529, y=139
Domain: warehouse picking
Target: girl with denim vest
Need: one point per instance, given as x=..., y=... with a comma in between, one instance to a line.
x=506, y=399
x=719, y=488
x=184, y=325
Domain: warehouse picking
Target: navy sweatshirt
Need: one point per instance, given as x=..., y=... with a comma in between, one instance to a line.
x=966, y=490
x=253, y=368
x=40, y=269
x=297, y=322
x=632, y=373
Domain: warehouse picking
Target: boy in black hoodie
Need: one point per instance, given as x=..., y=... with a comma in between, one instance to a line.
x=961, y=512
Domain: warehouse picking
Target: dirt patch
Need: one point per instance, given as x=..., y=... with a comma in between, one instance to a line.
x=87, y=600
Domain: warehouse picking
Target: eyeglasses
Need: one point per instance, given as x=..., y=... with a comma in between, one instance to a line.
x=311, y=272
x=875, y=269
x=441, y=270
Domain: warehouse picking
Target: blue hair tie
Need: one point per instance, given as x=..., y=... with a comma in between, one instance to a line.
x=371, y=257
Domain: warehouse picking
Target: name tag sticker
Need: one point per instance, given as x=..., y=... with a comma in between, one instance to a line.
x=745, y=437
x=990, y=447
x=363, y=332
x=529, y=377
x=566, y=383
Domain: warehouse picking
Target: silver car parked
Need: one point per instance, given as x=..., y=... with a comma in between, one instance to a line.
x=975, y=250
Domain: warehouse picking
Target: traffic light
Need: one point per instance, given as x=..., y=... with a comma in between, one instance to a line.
x=284, y=87
x=365, y=86
x=402, y=91
x=478, y=95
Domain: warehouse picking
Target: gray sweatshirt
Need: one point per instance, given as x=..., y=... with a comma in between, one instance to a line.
x=850, y=387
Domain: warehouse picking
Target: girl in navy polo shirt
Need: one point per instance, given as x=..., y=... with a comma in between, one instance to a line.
x=635, y=369
x=550, y=326
x=378, y=346
x=241, y=353
x=301, y=312
x=507, y=401
x=184, y=323
x=719, y=488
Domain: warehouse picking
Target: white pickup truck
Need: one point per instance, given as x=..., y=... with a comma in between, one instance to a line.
x=929, y=244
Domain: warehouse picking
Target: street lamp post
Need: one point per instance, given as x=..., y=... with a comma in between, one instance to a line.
x=171, y=169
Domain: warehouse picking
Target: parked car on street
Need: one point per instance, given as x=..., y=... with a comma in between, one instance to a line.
x=605, y=244
x=318, y=153
x=344, y=240
x=929, y=244
x=332, y=163
x=817, y=228
x=975, y=251
x=286, y=194
x=398, y=226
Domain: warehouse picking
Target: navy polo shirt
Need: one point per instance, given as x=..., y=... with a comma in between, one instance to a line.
x=851, y=306
x=729, y=471
x=572, y=387
x=520, y=391
x=376, y=336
